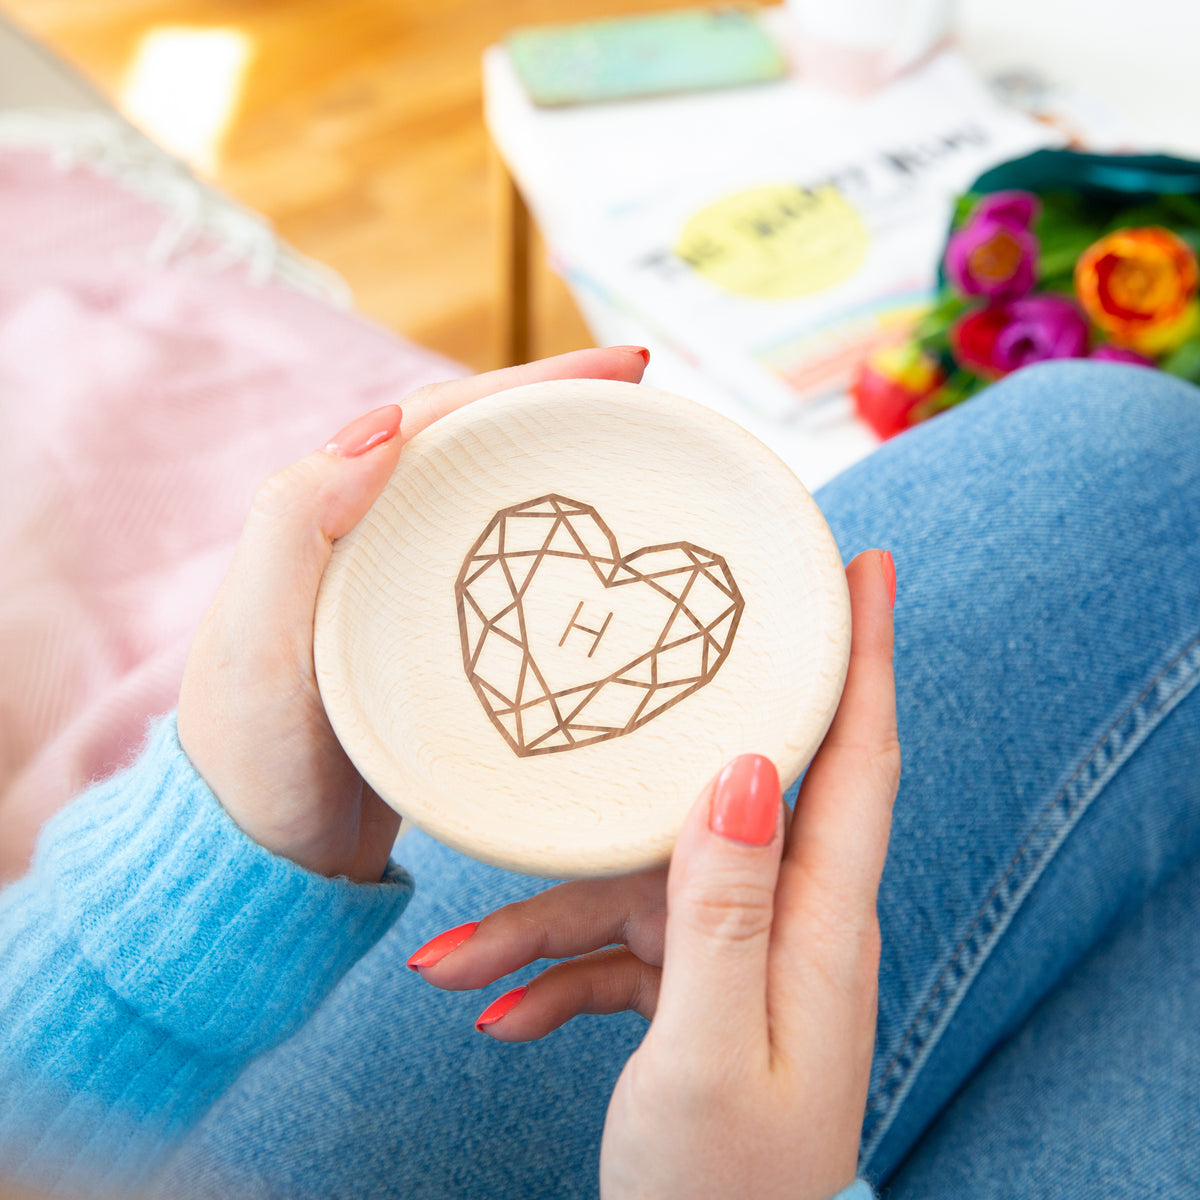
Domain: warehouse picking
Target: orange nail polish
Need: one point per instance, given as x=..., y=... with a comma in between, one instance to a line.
x=889, y=576
x=635, y=350
x=437, y=949
x=745, y=803
x=500, y=1008
x=366, y=432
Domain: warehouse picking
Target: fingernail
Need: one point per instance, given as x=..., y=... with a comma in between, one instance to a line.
x=635, y=350
x=437, y=949
x=889, y=576
x=745, y=803
x=500, y=1008
x=366, y=432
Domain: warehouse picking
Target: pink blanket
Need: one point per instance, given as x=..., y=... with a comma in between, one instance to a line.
x=139, y=407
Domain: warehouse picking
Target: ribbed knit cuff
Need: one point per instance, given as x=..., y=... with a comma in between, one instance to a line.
x=201, y=931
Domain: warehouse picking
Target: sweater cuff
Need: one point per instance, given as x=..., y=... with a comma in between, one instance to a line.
x=199, y=929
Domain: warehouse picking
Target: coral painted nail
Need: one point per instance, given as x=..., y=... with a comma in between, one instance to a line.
x=437, y=949
x=500, y=1007
x=889, y=576
x=635, y=350
x=366, y=432
x=745, y=803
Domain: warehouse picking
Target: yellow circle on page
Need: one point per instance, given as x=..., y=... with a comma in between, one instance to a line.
x=776, y=242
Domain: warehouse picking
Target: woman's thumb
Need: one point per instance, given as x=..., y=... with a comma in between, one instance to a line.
x=302, y=510
x=721, y=903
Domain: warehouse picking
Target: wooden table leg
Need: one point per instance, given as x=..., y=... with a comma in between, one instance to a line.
x=514, y=246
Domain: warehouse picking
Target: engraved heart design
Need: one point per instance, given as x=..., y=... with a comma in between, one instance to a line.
x=567, y=642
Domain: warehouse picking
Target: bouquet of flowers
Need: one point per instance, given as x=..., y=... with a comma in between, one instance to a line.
x=1031, y=274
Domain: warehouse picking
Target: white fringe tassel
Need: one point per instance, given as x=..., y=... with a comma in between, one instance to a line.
x=112, y=147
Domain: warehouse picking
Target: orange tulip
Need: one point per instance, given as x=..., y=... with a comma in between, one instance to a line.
x=1139, y=287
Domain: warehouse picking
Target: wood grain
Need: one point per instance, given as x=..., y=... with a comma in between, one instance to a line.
x=360, y=135
x=392, y=654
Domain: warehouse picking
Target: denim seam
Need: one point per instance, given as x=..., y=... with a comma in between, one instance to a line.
x=1112, y=750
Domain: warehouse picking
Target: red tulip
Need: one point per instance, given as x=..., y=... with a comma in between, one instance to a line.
x=998, y=339
x=891, y=384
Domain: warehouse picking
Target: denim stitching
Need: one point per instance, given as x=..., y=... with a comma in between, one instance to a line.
x=1168, y=688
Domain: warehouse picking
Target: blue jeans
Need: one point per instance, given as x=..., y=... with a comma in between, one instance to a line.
x=1041, y=949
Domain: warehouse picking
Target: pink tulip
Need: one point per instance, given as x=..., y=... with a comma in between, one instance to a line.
x=998, y=339
x=1121, y=354
x=1017, y=209
x=995, y=254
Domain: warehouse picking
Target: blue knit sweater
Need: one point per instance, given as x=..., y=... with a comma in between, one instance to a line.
x=153, y=951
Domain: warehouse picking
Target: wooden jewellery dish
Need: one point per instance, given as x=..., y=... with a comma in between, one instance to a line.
x=572, y=604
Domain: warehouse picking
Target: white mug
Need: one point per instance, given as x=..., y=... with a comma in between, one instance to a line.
x=857, y=46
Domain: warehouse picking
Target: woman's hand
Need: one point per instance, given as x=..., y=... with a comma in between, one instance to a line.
x=250, y=716
x=762, y=977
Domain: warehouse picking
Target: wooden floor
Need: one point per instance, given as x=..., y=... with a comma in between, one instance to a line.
x=359, y=133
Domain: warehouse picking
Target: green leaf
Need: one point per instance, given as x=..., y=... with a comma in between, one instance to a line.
x=1059, y=258
x=1137, y=216
x=932, y=332
x=1064, y=214
x=1184, y=209
x=1063, y=209
x=963, y=207
x=961, y=385
x=945, y=311
x=1192, y=237
x=1185, y=361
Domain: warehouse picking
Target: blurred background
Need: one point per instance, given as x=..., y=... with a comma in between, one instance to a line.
x=355, y=126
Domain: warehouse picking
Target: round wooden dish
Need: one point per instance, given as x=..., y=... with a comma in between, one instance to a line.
x=573, y=603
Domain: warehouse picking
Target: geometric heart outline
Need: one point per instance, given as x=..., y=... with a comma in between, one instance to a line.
x=562, y=718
